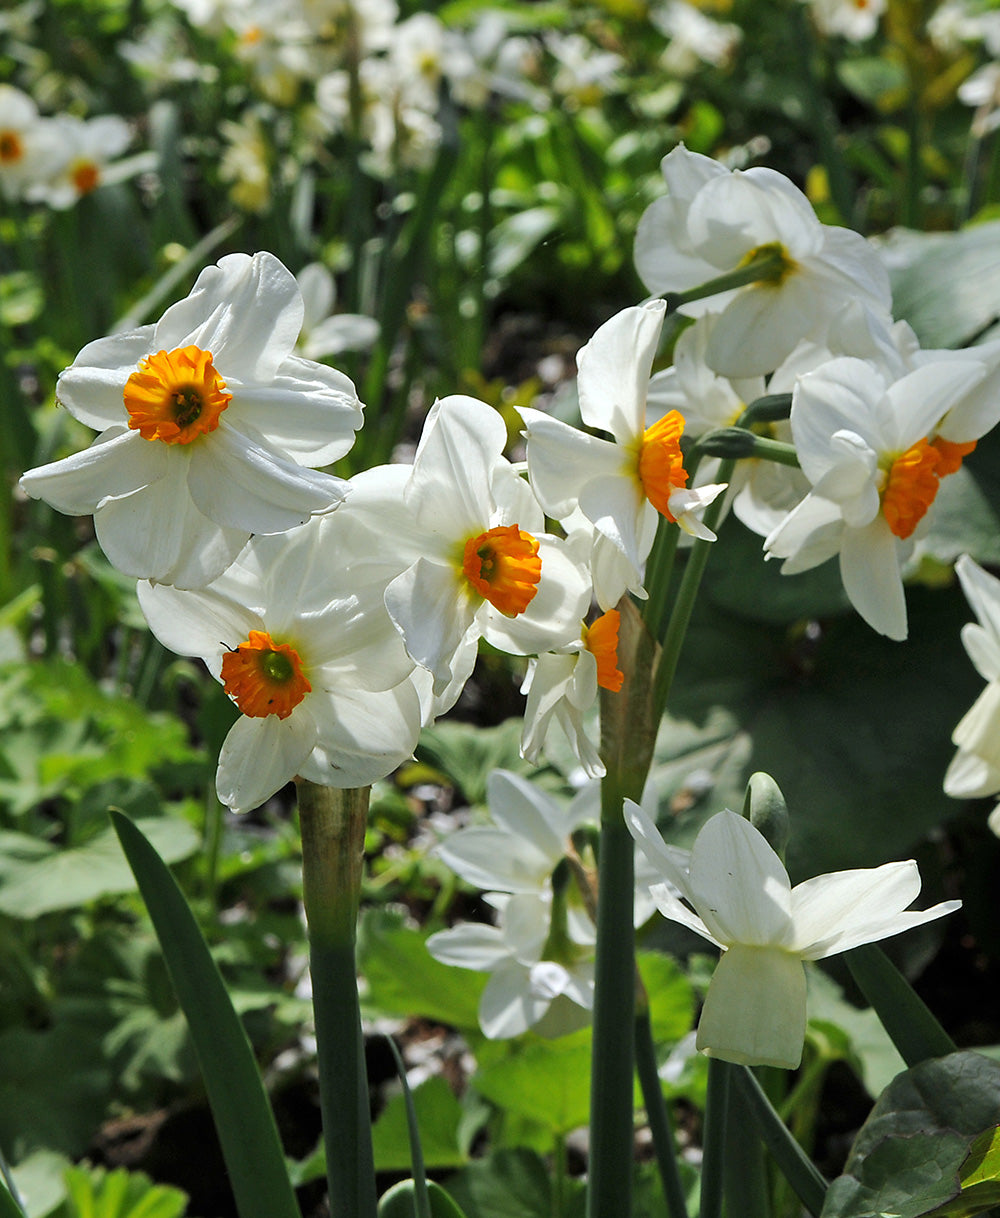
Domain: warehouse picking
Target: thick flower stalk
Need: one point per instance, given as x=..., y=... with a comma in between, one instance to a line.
x=735, y=892
x=209, y=428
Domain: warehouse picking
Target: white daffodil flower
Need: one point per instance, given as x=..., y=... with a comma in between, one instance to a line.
x=324, y=332
x=551, y=997
x=735, y=892
x=621, y=485
x=208, y=424
x=456, y=541
x=561, y=686
x=975, y=769
x=713, y=222
x=867, y=445
x=319, y=676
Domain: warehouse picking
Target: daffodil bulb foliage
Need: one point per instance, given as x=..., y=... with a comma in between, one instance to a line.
x=211, y=428
x=319, y=676
x=735, y=893
x=975, y=769
x=622, y=485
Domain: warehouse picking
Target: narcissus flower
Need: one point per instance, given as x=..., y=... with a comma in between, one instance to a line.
x=866, y=444
x=975, y=769
x=735, y=892
x=457, y=542
x=208, y=426
x=319, y=677
x=713, y=222
x=625, y=484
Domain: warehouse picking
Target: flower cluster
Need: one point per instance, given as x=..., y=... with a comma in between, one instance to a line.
x=58, y=160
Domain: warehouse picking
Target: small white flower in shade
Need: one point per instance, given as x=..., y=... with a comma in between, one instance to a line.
x=713, y=222
x=867, y=445
x=736, y=893
x=319, y=676
x=457, y=543
x=30, y=147
x=526, y=989
x=855, y=20
x=975, y=769
x=87, y=152
x=562, y=685
x=625, y=484
x=209, y=424
x=694, y=38
x=323, y=331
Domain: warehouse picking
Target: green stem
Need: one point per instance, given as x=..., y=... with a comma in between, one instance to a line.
x=714, y=1141
x=333, y=825
x=658, y=1115
x=684, y=604
x=767, y=265
x=611, y=1117
x=794, y=1164
x=559, y=1180
x=745, y=1170
x=911, y=1026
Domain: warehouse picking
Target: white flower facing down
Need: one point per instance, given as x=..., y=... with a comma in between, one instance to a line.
x=713, y=222
x=975, y=769
x=320, y=677
x=736, y=893
x=867, y=444
x=208, y=423
x=621, y=485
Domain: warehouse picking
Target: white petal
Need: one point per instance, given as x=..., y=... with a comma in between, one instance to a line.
x=241, y=484
x=978, y=731
x=507, y=1006
x=260, y=755
x=614, y=370
x=810, y=534
x=562, y=459
x=667, y=902
x=490, y=858
x=117, y=464
x=527, y=814
x=246, y=311
x=755, y=1009
x=970, y=777
x=469, y=945
x=159, y=534
x=735, y=214
x=362, y=735
x=91, y=387
x=921, y=398
x=432, y=609
x=738, y=885
x=342, y=332
x=308, y=412
x=667, y=861
x=201, y=623
x=869, y=567
x=982, y=591
x=554, y=614
x=618, y=508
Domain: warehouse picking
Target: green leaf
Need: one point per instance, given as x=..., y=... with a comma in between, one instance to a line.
x=398, y=1202
x=671, y=996
x=946, y=285
x=403, y=978
x=236, y=1094
x=546, y=1081
x=862, y=1040
x=979, y=1178
x=66, y=879
x=438, y=1117
x=908, y=1155
x=467, y=754
x=510, y=1184
x=41, y=1182
x=96, y=1193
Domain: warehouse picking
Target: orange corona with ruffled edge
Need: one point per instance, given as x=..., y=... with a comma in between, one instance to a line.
x=601, y=640
x=950, y=455
x=503, y=566
x=176, y=396
x=661, y=463
x=264, y=677
x=910, y=487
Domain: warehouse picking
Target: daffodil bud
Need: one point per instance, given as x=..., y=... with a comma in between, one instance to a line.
x=765, y=808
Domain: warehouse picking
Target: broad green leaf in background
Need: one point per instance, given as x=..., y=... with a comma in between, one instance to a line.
x=466, y=755
x=438, y=1117
x=546, y=1081
x=403, y=978
x=979, y=1177
x=907, y=1157
x=66, y=879
x=96, y=1193
x=511, y=1184
x=946, y=285
x=851, y=1032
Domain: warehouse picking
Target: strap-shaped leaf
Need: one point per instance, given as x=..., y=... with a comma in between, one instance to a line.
x=243, y=1117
